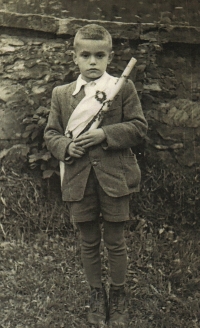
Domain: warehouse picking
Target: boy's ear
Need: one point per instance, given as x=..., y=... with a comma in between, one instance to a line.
x=110, y=57
x=74, y=57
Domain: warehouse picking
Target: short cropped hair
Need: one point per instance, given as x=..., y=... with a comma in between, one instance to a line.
x=93, y=32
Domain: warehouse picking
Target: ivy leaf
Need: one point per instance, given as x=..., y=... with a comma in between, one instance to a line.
x=26, y=134
x=33, y=165
x=46, y=156
x=44, y=144
x=3, y=153
x=47, y=174
x=35, y=134
x=43, y=166
x=36, y=117
x=42, y=121
x=27, y=120
x=30, y=127
x=42, y=110
x=37, y=156
x=57, y=172
x=53, y=162
x=33, y=158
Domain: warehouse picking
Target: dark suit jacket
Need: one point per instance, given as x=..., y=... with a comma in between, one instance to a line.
x=114, y=163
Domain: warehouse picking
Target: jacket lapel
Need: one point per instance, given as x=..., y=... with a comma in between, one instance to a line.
x=71, y=101
x=75, y=100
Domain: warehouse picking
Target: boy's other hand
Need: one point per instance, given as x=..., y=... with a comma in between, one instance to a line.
x=75, y=151
x=90, y=138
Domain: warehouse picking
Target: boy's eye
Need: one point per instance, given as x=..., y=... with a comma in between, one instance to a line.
x=84, y=55
x=100, y=56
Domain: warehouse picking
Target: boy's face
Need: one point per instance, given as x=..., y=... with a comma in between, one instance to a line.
x=92, y=58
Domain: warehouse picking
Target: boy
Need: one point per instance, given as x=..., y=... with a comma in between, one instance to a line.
x=100, y=169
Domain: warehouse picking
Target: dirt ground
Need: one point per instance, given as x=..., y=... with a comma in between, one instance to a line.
x=42, y=283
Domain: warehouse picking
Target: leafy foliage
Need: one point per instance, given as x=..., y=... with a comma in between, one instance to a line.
x=30, y=205
x=39, y=156
x=168, y=194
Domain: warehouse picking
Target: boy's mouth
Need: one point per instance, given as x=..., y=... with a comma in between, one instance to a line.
x=92, y=69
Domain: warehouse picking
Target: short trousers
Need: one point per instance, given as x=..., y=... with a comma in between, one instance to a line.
x=96, y=202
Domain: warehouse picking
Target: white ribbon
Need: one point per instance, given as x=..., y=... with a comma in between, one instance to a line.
x=90, y=104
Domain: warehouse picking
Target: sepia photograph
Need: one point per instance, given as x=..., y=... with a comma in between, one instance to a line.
x=99, y=106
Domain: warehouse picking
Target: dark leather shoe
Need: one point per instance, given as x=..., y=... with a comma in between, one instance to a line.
x=98, y=306
x=118, y=313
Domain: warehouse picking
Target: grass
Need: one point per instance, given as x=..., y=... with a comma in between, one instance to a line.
x=42, y=283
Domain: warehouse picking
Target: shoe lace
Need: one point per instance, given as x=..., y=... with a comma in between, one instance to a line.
x=97, y=301
x=117, y=303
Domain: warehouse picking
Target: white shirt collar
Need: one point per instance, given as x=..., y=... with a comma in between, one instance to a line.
x=80, y=82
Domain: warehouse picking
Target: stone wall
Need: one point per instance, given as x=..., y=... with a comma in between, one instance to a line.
x=174, y=114
x=146, y=11
x=35, y=56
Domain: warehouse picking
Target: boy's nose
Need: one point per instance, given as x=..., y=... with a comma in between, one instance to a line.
x=92, y=60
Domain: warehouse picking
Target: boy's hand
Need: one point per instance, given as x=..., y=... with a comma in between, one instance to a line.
x=90, y=138
x=75, y=151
